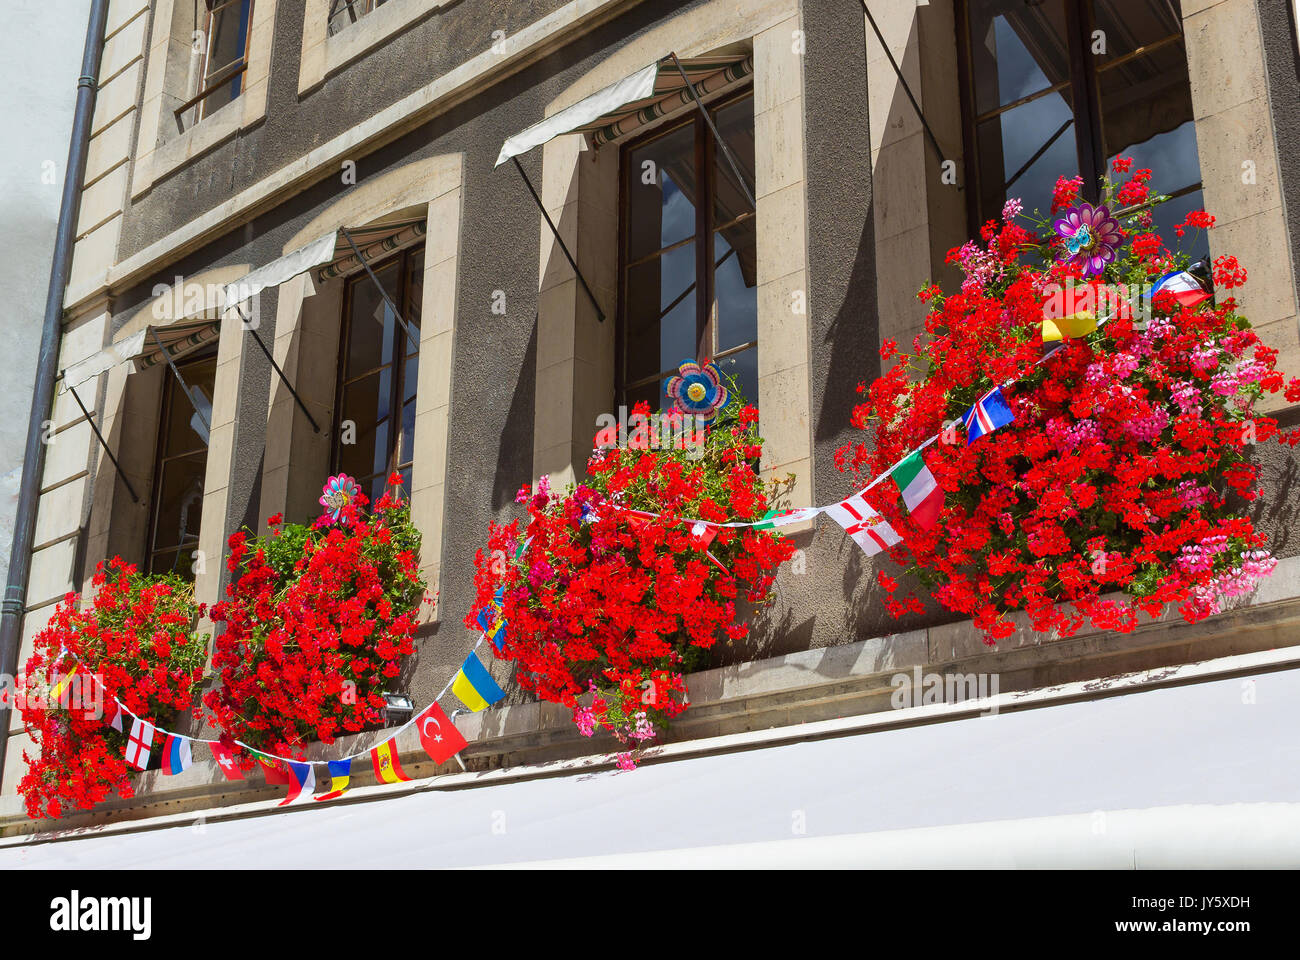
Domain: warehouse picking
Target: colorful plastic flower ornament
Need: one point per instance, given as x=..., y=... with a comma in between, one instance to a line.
x=338, y=493
x=1091, y=236
x=698, y=390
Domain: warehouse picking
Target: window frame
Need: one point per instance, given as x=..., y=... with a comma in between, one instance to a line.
x=1085, y=92
x=230, y=73
x=706, y=159
x=337, y=7
x=403, y=260
x=171, y=394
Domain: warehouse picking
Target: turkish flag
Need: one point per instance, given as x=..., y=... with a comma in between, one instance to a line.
x=226, y=761
x=438, y=735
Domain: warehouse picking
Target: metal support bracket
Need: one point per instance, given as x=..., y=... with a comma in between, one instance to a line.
x=104, y=443
x=717, y=137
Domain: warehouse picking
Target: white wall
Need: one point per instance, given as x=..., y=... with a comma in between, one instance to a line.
x=40, y=50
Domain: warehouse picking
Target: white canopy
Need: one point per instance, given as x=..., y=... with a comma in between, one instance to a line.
x=635, y=100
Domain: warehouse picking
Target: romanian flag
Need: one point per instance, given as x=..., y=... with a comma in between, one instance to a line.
x=340, y=774
x=387, y=767
x=474, y=686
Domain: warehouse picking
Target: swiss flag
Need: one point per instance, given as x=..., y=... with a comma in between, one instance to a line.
x=225, y=758
x=438, y=735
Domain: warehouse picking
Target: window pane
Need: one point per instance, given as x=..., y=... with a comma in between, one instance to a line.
x=652, y=393
x=735, y=284
x=735, y=123
x=366, y=404
x=226, y=44
x=1129, y=24
x=1021, y=153
x=661, y=313
x=372, y=323
x=185, y=433
x=743, y=367
x=1016, y=49
x=1146, y=113
x=661, y=212
x=1170, y=214
x=180, y=501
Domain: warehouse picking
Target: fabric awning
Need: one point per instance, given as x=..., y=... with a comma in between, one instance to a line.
x=632, y=102
x=331, y=250
x=180, y=339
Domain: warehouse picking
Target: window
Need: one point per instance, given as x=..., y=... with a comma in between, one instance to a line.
x=378, y=360
x=688, y=275
x=1062, y=87
x=344, y=12
x=225, y=59
x=179, y=466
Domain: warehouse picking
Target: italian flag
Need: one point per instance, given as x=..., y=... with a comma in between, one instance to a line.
x=922, y=495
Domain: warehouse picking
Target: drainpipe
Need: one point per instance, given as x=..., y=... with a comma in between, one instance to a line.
x=15, y=595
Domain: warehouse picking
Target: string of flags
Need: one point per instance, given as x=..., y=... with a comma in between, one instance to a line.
x=439, y=738
x=920, y=492
x=474, y=686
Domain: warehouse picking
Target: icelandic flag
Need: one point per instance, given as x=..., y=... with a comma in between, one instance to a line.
x=302, y=782
x=987, y=414
x=1187, y=290
x=177, y=755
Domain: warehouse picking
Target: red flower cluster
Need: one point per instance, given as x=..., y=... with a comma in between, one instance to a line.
x=606, y=598
x=1128, y=461
x=137, y=638
x=316, y=623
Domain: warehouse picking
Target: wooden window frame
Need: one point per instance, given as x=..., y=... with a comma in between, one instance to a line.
x=171, y=395
x=706, y=155
x=403, y=259
x=227, y=74
x=1085, y=89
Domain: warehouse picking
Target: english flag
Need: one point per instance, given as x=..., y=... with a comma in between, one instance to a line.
x=139, y=742
x=438, y=735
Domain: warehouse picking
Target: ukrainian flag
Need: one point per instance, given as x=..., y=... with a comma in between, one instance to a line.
x=340, y=774
x=474, y=686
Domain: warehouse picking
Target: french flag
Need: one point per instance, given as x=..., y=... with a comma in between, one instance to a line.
x=1187, y=290
x=987, y=414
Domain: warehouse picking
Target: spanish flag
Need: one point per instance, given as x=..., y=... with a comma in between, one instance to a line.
x=1064, y=328
x=387, y=767
x=340, y=774
x=474, y=686
x=57, y=690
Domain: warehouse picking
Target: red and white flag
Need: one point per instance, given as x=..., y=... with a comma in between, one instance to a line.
x=226, y=761
x=438, y=735
x=869, y=530
x=138, y=744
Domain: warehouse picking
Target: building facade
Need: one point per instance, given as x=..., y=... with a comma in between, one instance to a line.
x=232, y=133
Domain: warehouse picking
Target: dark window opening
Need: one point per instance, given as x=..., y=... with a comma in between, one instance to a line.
x=1062, y=87
x=378, y=367
x=688, y=254
x=225, y=35
x=344, y=12
x=179, y=467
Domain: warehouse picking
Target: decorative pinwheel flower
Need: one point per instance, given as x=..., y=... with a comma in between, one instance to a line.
x=1091, y=236
x=698, y=390
x=338, y=493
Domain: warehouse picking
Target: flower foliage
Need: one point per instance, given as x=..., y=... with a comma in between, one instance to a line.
x=317, y=620
x=1127, y=468
x=137, y=636
x=605, y=599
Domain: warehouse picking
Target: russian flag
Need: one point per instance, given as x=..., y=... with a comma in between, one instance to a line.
x=177, y=755
x=1187, y=290
x=987, y=414
x=302, y=782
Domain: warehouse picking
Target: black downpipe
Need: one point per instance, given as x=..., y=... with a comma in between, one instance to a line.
x=15, y=595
